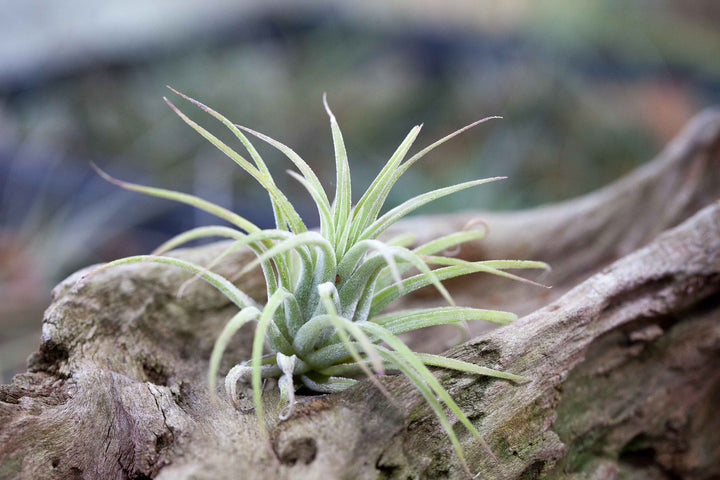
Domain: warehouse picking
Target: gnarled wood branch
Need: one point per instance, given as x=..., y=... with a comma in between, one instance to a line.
x=623, y=353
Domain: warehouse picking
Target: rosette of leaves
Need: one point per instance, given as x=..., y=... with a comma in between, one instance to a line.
x=323, y=321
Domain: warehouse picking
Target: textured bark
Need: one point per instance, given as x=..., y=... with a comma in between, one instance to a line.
x=623, y=353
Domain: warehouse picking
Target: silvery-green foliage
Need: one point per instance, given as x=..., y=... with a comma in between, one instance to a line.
x=326, y=289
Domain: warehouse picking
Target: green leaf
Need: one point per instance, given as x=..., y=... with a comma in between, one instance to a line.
x=430, y=275
x=277, y=208
x=328, y=355
x=370, y=204
x=256, y=241
x=352, y=369
x=197, y=233
x=458, y=268
x=327, y=228
x=354, y=288
x=419, y=381
x=494, y=267
x=307, y=335
x=449, y=241
x=234, y=294
x=453, y=364
x=326, y=384
x=295, y=242
x=192, y=200
x=415, y=363
x=343, y=326
x=343, y=191
x=295, y=159
x=262, y=177
x=405, y=166
x=258, y=341
x=382, y=223
x=236, y=323
x=439, y=244
x=402, y=240
x=396, y=170
x=408, y=320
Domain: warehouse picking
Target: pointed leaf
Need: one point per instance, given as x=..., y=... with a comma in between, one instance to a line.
x=294, y=158
x=258, y=341
x=195, y=234
x=236, y=323
x=327, y=227
x=188, y=199
x=342, y=324
x=412, y=359
x=262, y=177
x=326, y=384
x=382, y=223
x=262, y=167
x=408, y=320
x=453, y=364
x=449, y=241
x=370, y=204
x=343, y=194
x=304, y=239
x=237, y=296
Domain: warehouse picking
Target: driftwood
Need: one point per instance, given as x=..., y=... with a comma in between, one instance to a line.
x=623, y=353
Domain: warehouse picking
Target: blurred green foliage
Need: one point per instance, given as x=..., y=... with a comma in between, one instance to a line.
x=564, y=84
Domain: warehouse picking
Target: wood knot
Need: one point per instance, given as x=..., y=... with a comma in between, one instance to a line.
x=298, y=450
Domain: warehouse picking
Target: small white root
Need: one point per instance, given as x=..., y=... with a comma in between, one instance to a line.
x=286, y=384
x=237, y=373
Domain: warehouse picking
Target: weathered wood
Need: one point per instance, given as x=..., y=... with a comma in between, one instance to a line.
x=625, y=361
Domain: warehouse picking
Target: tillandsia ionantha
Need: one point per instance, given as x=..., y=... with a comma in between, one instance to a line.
x=326, y=289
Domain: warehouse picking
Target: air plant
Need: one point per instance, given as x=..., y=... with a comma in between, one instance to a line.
x=326, y=289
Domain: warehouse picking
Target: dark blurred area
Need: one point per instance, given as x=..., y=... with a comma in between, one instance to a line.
x=588, y=90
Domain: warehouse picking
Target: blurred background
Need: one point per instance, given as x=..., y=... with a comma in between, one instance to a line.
x=588, y=90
